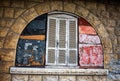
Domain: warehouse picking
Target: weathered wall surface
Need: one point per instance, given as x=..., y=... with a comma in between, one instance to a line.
x=15, y=15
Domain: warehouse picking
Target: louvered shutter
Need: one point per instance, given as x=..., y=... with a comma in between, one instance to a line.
x=51, y=39
x=61, y=47
x=62, y=42
x=72, y=42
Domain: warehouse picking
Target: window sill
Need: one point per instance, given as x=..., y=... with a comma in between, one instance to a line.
x=55, y=71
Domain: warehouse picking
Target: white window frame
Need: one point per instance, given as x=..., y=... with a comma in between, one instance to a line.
x=68, y=18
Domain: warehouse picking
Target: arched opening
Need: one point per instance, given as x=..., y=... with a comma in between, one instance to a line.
x=59, y=39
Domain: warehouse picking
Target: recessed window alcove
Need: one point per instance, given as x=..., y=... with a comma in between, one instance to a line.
x=59, y=43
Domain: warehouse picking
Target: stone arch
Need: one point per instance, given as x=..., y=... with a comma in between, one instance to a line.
x=46, y=7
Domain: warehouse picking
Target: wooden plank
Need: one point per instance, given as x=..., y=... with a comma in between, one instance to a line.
x=34, y=37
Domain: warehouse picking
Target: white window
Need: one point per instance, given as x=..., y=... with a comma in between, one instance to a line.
x=61, y=42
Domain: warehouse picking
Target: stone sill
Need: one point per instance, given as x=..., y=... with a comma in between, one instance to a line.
x=49, y=71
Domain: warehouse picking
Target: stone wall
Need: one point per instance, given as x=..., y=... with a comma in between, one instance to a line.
x=16, y=14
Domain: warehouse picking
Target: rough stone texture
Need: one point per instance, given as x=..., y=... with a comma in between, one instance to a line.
x=3, y=31
x=18, y=12
x=79, y=3
x=6, y=22
x=11, y=40
x=19, y=77
x=99, y=78
x=7, y=55
x=42, y=8
x=5, y=77
x=9, y=13
x=81, y=11
x=91, y=5
x=35, y=78
x=1, y=42
x=84, y=78
x=5, y=3
x=107, y=59
x=50, y=78
x=118, y=39
x=37, y=0
x=18, y=4
x=56, y=5
x=1, y=12
x=30, y=15
x=117, y=31
x=19, y=25
x=5, y=65
x=67, y=78
x=69, y=7
x=107, y=46
x=103, y=17
x=117, y=49
x=30, y=4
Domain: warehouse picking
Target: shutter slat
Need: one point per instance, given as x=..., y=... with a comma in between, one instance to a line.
x=52, y=31
x=72, y=34
x=62, y=56
x=51, y=56
x=62, y=34
x=72, y=57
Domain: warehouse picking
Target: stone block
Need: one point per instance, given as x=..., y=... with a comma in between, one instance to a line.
x=5, y=3
x=78, y=2
x=118, y=39
x=30, y=15
x=117, y=31
x=37, y=0
x=18, y=12
x=84, y=78
x=1, y=12
x=7, y=55
x=91, y=5
x=107, y=58
x=35, y=78
x=19, y=25
x=117, y=49
x=67, y=78
x=112, y=23
x=30, y=4
x=11, y=40
x=5, y=65
x=5, y=77
x=104, y=14
x=107, y=45
x=81, y=11
x=56, y=5
x=18, y=4
x=99, y=78
x=43, y=8
x=92, y=19
x=69, y=7
x=102, y=31
x=3, y=31
x=50, y=78
x=20, y=78
x=101, y=7
x=9, y=12
x=6, y=22
x=1, y=42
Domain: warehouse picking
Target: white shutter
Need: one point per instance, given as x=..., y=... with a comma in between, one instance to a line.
x=73, y=42
x=61, y=46
x=50, y=43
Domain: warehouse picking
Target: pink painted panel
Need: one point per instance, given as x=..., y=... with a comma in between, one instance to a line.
x=89, y=39
x=86, y=30
x=90, y=55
